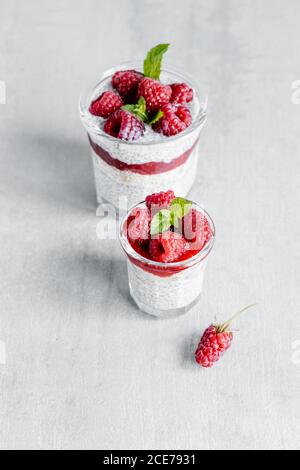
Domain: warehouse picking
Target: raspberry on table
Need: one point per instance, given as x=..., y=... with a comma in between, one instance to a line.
x=126, y=82
x=196, y=229
x=215, y=341
x=106, y=104
x=168, y=247
x=124, y=125
x=161, y=200
x=212, y=346
x=155, y=93
x=175, y=119
x=181, y=93
x=138, y=227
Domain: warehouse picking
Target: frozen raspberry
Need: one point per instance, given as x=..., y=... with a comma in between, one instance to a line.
x=124, y=125
x=175, y=119
x=138, y=228
x=106, y=104
x=155, y=93
x=161, y=200
x=126, y=82
x=181, y=93
x=196, y=229
x=215, y=342
x=168, y=247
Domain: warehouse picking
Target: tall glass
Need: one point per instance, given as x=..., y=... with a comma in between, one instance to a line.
x=151, y=164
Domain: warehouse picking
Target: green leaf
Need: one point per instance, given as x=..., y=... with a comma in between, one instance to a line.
x=138, y=109
x=152, y=63
x=179, y=208
x=156, y=118
x=161, y=221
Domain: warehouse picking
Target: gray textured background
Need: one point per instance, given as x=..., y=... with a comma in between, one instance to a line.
x=84, y=369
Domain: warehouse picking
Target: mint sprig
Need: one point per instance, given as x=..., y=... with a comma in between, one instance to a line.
x=166, y=218
x=140, y=111
x=152, y=63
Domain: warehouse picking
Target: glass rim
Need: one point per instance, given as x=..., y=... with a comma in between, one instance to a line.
x=130, y=251
x=198, y=121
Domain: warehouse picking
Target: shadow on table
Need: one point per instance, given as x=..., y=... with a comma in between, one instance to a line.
x=188, y=349
x=55, y=169
x=90, y=283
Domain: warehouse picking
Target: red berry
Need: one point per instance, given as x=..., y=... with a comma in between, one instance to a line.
x=181, y=93
x=168, y=247
x=155, y=93
x=212, y=346
x=124, y=125
x=196, y=229
x=175, y=119
x=106, y=104
x=127, y=82
x=138, y=228
x=215, y=342
x=161, y=200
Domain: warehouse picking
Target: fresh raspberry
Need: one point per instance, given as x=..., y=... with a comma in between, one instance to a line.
x=124, y=125
x=175, y=119
x=106, y=104
x=161, y=200
x=155, y=93
x=212, y=346
x=138, y=228
x=181, y=93
x=196, y=229
x=168, y=247
x=215, y=342
x=126, y=82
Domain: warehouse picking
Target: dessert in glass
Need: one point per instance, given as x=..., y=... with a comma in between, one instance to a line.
x=167, y=240
x=143, y=125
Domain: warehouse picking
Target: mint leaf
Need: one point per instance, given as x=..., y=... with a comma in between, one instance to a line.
x=129, y=107
x=152, y=63
x=179, y=208
x=156, y=118
x=161, y=221
x=138, y=109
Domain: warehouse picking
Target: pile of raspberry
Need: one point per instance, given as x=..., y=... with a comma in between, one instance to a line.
x=130, y=85
x=178, y=243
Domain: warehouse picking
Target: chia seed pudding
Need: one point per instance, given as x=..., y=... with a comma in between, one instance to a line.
x=155, y=160
x=166, y=268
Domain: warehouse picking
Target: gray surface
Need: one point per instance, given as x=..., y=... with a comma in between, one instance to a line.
x=84, y=369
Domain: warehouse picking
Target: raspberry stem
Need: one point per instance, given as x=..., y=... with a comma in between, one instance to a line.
x=225, y=326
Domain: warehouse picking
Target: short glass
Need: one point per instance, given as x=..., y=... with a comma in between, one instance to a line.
x=132, y=170
x=165, y=290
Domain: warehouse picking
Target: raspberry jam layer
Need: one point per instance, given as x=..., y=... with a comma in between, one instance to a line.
x=149, y=168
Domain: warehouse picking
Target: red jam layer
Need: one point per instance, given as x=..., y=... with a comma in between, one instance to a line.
x=161, y=271
x=149, y=168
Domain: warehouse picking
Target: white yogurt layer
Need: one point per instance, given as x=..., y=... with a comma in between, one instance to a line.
x=156, y=295
x=113, y=184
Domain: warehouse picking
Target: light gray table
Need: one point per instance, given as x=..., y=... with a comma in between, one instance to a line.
x=84, y=369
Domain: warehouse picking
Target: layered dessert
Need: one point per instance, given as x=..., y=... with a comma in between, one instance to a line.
x=143, y=125
x=166, y=240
